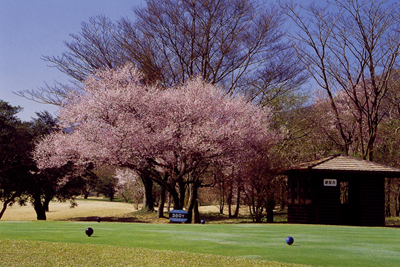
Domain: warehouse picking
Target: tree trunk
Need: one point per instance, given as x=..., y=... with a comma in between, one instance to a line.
x=5, y=204
x=8, y=201
x=169, y=203
x=196, y=212
x=259, y=214
x=256, y=212
x=192, y=205
x=111, y=195
x=176, y=201
x=40, y=211
x=182, y=190
x=86, y=192
x=270, y=209
x=398, y=205
x=160, y=213
x=46, y=203
x=222, y=198
x=148, y=202
x=282, y=197
x=237, y=203
x=388, y=197
x=229, y=200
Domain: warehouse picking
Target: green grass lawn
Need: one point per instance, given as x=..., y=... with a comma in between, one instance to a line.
x=314, y=244
x=37, y=253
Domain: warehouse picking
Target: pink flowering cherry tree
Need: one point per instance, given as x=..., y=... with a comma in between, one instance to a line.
x=172, y=136
x=129, y=186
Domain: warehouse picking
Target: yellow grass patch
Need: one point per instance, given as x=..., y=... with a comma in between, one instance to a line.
x=63, y=211
x=90, y=209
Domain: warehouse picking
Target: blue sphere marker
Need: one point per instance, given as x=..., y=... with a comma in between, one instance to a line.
x=89, y=231
x=289, y=240
x=203, y=222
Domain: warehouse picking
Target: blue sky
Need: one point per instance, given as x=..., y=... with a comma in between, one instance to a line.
x=30, y=29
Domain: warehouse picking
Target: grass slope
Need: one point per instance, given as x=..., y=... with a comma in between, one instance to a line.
x=314, y=244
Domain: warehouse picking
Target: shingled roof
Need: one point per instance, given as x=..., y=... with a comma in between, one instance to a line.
x=345, y=164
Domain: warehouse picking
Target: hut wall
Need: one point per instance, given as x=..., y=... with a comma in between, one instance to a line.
x=328, y=200
x=338, y=190
x=372, y=200
x=351, y=210
x=313, y=203
x=301, y=196
x=302, y=214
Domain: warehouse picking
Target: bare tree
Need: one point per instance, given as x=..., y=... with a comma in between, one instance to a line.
x=237, y=44
x=352, y=49
x=223, y=41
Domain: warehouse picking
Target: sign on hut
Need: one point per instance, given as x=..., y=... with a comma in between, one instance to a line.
x=338, y=190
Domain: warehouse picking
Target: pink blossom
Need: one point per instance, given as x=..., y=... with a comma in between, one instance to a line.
x=119, y=121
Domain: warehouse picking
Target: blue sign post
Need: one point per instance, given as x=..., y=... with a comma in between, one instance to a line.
x=177, y=216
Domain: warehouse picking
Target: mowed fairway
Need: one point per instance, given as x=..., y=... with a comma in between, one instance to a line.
x=314, y=244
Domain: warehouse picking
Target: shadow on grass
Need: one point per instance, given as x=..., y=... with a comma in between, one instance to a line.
x=108, y=219
x=215, y=217
x=151, y=217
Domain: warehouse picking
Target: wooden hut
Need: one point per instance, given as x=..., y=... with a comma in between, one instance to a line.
x=338, y=190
